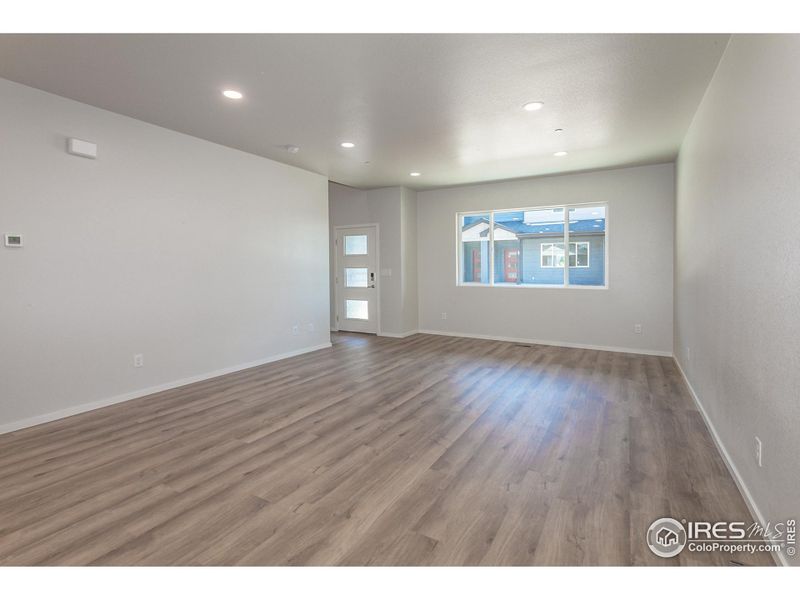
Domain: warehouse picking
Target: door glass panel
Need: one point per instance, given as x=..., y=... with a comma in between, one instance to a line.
x=355, y=278
x=355, y=245
x=356, y=309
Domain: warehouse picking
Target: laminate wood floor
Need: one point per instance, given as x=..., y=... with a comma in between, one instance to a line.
x=428, y=450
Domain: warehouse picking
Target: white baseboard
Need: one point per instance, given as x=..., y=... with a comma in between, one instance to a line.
x=397, y=335
x=755, y=512
x=74, y=410
x=499, y=338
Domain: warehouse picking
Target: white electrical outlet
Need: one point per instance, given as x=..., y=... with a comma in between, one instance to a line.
x=637, y=328
x=444, y=316
x=13, y=240
x=759, y=454
x=295, y=329
x=138, y=360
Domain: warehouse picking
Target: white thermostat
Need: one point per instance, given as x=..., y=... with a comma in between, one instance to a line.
x=13, y=240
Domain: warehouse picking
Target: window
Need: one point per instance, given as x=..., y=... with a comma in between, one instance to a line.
x=553, y=255
x=355, y=244
x=587, y=260
x=356, y=309
x=506, y=246
x=474, y=236
x=579, y=255
x=355, y=277
x=526, y=247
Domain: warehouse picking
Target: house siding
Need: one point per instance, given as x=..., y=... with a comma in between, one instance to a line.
x=595, y=273
x=531, y=269
x=533, y=273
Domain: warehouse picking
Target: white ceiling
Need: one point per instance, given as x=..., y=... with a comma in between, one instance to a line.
x=447, y=105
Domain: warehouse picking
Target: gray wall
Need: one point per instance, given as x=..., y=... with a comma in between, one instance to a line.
x=737, y=264
x=198, y=256
x=640, y=230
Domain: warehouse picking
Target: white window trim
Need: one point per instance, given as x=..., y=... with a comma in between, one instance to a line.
x=550, y=253
x=588, y=255
x=566, y=285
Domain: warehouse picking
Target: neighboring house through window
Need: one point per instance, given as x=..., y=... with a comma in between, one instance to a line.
x=476, y=265
x=552, y=255
x=525, y=247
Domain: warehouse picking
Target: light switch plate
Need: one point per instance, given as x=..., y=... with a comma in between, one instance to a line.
x=82, y=148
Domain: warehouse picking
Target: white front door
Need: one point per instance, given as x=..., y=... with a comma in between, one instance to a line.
x=357, y=279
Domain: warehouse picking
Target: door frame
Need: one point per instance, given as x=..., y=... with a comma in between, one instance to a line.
x=378, y=283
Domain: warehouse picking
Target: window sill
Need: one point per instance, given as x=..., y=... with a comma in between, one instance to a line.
x=533, y=286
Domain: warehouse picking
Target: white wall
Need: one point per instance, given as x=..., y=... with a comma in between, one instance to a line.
x=392, y=209
x=384, y=206
x=408, y=223
x=737, y=279
x=346, y=206
x=640, y=231
x=198, y=256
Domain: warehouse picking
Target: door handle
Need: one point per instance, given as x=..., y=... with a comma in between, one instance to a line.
x=372, y=280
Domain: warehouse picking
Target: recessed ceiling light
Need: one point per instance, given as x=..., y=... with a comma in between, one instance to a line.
x=598, y=221
x=530, y=106
x=560, y=153
x=597, y=225
x=232, y=94
x=415, y=174
x=559, y=130
x=347, y=145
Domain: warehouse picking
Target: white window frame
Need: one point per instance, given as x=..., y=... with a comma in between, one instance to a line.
x=588, y=255
x=566, y=208
x=551, y=254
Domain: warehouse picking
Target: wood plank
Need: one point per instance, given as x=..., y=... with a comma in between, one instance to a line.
x=426, y=450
